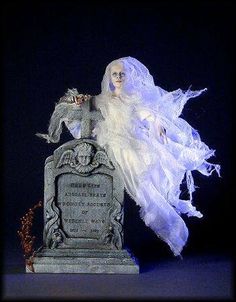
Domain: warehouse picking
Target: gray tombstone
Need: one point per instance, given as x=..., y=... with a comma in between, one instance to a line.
x=83, y=211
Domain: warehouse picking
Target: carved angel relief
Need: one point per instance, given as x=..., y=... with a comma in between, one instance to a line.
x=84, y=158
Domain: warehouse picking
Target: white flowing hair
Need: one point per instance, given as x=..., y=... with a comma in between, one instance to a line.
x=139, y=83
x=138, y=79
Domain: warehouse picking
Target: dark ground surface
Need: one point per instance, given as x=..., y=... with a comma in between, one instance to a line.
x=205, y=276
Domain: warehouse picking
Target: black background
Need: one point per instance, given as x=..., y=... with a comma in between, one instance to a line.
x=50, y=46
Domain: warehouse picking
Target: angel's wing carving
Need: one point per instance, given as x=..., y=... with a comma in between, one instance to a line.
x=67, y=158
x=102, y=158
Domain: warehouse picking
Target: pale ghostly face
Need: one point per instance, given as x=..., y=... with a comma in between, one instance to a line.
x=117, y=75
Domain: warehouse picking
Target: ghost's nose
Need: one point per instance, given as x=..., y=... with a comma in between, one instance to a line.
x=119, y=76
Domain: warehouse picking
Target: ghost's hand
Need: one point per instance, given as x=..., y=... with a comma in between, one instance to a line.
x=161, y=132
x=80, y=98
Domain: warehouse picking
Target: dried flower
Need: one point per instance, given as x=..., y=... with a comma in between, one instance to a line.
x=27, y=240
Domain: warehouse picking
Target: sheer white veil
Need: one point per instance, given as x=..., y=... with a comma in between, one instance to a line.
x=137, y=76
x=139, y=84
x=171, y=161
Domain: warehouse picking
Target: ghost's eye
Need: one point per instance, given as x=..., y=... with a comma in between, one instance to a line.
x=122, y=74
x=115, y=74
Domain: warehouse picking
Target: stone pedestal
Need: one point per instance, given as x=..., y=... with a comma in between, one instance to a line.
x=84, y=261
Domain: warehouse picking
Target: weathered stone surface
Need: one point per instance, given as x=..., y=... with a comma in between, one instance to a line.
x=83, y=201
x=83, y=213
x=85, y=261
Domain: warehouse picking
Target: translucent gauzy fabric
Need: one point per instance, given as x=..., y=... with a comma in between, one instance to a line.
x=153, y=166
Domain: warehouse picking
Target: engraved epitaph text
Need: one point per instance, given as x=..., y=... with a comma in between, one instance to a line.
x=84, y=203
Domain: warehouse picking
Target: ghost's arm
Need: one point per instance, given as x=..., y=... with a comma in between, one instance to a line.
x=69, y=111
x=74, y=127
x=70, y=114
x=55, y=125
x=154, y=125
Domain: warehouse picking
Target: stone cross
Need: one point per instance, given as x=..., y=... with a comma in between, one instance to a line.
x=83, y=202
x=88, y=116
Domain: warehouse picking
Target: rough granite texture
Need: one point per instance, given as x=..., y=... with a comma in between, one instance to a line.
x=83, y=212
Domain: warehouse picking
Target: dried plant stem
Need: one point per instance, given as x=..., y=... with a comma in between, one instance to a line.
x=27, y=239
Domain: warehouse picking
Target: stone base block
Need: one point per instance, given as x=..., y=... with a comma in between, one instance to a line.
x=83, y=261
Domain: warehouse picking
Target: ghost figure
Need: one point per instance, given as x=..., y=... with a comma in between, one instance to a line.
x=152, y=147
